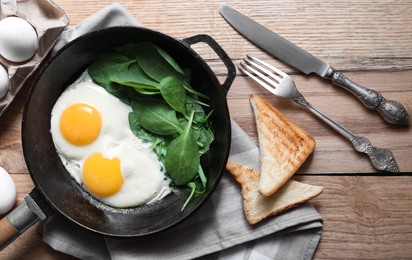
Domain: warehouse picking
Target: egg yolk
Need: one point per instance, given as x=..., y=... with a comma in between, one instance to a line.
x=101, y=175
x=80, y=124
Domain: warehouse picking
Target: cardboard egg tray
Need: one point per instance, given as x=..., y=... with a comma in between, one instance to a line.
x=49, y=21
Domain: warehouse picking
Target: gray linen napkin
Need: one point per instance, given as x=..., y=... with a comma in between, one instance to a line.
x=218, y=230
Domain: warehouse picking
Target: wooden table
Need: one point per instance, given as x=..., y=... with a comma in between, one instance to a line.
x=367, y=214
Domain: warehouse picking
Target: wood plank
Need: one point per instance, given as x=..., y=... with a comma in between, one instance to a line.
x=31, y=246
x=351, y=35
x=364, y=217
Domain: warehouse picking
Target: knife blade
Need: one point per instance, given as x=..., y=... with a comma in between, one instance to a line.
x=392, y=112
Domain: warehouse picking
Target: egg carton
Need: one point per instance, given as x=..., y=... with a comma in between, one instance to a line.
x=49, y=21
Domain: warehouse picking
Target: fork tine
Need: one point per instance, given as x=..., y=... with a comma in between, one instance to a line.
x=264, y=72
x=261, y=72
x=244, y=69
x=276, y=70
x=272, y=79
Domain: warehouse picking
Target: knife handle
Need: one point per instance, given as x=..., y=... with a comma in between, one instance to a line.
x=392, y=112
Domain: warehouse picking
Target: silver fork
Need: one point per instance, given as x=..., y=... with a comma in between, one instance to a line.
x=280, y=84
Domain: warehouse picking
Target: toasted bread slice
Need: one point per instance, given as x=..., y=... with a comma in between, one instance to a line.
x=256, y=206
x=283, y=145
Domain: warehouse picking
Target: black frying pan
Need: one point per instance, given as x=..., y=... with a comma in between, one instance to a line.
x=56, y=191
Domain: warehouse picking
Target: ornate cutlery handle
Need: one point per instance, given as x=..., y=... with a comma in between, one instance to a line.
x=392, y=112
x=381, y=158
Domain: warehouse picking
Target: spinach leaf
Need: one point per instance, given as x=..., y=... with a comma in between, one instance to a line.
x=202, y=177
x=189, y=88
x=170, y=60
x=125, y=94
x=153, y=64
x=108, y=64
x=134, y=50
x=182, y=157
x=192, y=104
x=158, y=142
x=204, y=137
x=196, y=187
x=128, y=50
x=174, y=93
x=156, y=116
x=133, y=74
x=143, y=89
x=138, y=130
x=202, y=132
x=192, y=186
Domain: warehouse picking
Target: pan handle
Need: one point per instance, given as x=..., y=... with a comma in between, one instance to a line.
x=21, y=218
x=231, y=69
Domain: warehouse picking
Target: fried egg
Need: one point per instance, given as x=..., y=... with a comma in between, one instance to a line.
x=91, y=133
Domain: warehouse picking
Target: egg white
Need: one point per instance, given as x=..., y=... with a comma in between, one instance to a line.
x=143, y=173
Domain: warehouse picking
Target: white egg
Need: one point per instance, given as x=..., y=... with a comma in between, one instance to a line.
x=4, y=82
x=142, y=174
x=7, y=191
x=18, y=39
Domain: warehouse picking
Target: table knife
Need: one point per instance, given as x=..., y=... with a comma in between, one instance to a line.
x=392, y=112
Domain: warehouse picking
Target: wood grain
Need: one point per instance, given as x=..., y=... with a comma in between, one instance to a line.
x=367, y=215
